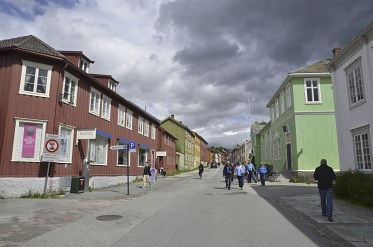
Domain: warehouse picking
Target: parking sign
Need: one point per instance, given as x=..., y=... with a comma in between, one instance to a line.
x=132, y=147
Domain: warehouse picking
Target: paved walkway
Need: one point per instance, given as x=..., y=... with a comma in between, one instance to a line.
x=24, y=219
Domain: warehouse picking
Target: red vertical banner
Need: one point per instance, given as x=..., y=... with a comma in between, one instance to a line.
x=28, y=143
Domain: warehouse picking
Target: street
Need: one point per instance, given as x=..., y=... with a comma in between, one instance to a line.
x=185, y=210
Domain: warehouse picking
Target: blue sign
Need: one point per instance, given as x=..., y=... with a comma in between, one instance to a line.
x=133, y=145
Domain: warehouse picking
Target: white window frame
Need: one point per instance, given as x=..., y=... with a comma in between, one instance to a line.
x=112, y=85
x=69, y=97
x=95, y=102
x=362, y=149
x=288, y=96
x=37, y=67
x=355, y=86
x=312, y=89
x=121, y=116
x=129, y=119
x=276, y=146
x=277, y=115
x=282, y=102
x=142, y=164
x=146, y=128
x=18, y=140
x=93, y=159
x=68, y=144
x=106, y=107
x=140, y=125
x=153, y=131
x=125, y=151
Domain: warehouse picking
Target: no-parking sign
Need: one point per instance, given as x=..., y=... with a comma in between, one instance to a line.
x=51, y=148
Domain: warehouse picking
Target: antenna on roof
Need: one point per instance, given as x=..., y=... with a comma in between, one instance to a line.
x=248, y=101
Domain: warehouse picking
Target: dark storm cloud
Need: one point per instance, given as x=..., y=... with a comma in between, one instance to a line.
x=245, y=48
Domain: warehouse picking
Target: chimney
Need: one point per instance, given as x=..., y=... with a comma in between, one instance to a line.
x=172, y=116
x=336, y=51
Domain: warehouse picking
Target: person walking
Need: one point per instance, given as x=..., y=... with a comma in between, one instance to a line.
x=200, y=170
x=239, y=170
x=146, y=175
x=227, y=173
x=325, y=175
x=262, y=172
x=250, y=170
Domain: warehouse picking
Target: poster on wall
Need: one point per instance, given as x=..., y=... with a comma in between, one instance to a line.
x=29, y=138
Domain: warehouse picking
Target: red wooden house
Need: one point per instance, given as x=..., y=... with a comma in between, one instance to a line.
x=45, y=91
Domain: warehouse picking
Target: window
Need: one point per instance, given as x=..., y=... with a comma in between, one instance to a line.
x=112, y=85
x=355, y=83
x=106, y=106
x=288, y=96
x=129, y=119
x=276, y=147
x=140, y=126
x=272, y=113
x=276, y=109
x=70, y=86
x=121, y=115
x=312, y=90
x=35, y=79
x=153, y=132
x=282, y=103
x=123, y=156
x=98, y=150
x=28, y=140
x=146, y=128
x=362, y=149
x=143, y=154
x=84, y=65
x=95, y=100
x=66, y=144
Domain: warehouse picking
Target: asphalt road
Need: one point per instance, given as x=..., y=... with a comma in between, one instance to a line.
x=178, y=211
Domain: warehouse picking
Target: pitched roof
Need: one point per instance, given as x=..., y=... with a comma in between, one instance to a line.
x=30, y=43
x=319, y=67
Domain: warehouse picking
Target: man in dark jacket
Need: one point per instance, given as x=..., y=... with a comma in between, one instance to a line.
x=325, y=175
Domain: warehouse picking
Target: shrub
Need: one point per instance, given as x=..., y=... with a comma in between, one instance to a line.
x=355, y=187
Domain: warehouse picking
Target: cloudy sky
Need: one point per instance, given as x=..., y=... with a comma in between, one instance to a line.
x=214, y=64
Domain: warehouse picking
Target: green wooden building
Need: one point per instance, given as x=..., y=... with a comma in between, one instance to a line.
x=302, y=130
x=185, y=145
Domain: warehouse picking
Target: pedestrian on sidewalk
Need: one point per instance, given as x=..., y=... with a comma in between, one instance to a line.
x=250, y=171
x=200, y=170
x=262, y=173
x=146, y=175
x=227, y=173
x=325, y=175
x=240, y=172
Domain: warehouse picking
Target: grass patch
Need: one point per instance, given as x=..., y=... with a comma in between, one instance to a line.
x=354, y=187
x=34, y=195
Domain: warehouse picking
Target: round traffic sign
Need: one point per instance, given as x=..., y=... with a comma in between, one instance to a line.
x=51, y=146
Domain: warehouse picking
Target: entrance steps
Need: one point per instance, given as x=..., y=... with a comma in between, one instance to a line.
x=281, y=176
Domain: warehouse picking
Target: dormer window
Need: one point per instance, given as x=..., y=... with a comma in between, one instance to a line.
x=112, y=85
x=84, y=65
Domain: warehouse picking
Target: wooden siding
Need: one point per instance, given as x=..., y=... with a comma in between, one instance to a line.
x=347, y=118
x=14, y=105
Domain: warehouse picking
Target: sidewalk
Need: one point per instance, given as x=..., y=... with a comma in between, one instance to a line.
x=24, y=219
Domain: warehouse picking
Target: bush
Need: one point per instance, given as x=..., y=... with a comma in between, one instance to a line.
x=301, y=179
x=355, y=187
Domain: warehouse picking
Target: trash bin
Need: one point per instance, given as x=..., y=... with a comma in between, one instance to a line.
x=77, y=184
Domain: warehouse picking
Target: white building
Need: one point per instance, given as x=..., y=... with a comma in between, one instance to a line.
x=352, y=78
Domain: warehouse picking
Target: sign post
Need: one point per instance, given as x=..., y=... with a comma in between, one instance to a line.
x=50, y=153
x=120, y=147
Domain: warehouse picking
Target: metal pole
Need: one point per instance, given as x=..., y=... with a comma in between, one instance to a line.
x=46, y=178
x=128, y=179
